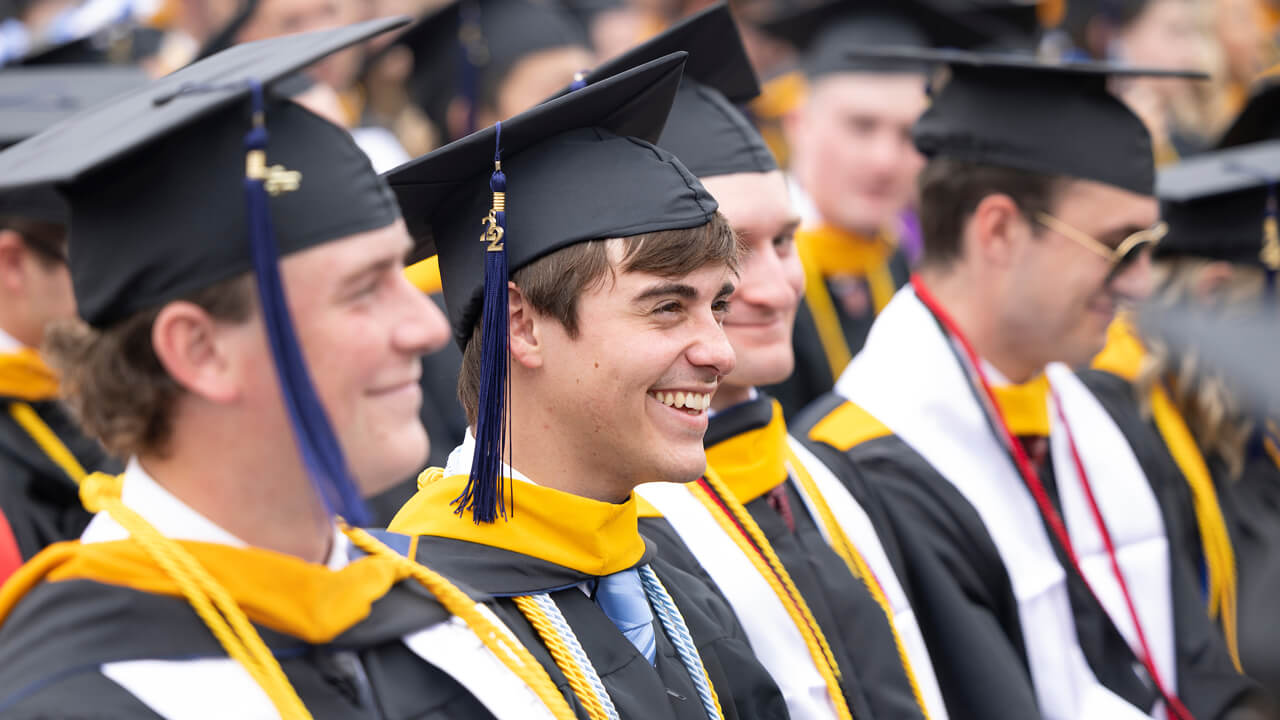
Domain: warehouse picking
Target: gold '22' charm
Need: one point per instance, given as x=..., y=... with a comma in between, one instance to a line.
x=493, y=232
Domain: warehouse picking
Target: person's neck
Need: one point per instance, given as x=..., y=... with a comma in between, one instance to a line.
x=257, y=491
x=16, y=333
x=729, y=395
x=978, y=319
x=564, y=461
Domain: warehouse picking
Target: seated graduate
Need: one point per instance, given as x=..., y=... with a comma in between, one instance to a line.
x=1222, y=252
x=812, y=613
x=1031, y=535
x=43, y=455
x=620, y=273
x=217, y=576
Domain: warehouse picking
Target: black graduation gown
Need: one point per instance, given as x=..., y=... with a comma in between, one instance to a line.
x=39, y=500
x=59, y=635
x=1251, y=508
x=639, y=690
x=964, y=601
x=812, y=375
x=874, y=681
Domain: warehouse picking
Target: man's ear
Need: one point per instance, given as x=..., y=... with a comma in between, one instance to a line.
x=993, y=231
x=189, y=345
x=524, y=325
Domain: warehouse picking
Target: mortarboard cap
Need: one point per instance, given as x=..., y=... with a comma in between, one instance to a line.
x=467, y=49
x=709, y=135
x=1015, y=112
x=577, y=168
x=175, y=186
x=825, y=33
x=1260, y=118
x=1221, y=205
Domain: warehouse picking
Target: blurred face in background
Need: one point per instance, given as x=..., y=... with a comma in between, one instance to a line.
x=851, y=146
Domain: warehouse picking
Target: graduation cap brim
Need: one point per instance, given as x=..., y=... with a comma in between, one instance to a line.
x=803, y=27
x=717, y=57
x=120, y=126
x=1219, y=173
x=1016, y=64
x=33, y=99
x=634, y=103
x=1260, y=118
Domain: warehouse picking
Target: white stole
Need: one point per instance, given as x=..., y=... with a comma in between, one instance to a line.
x=777, y=642
x=907, y=378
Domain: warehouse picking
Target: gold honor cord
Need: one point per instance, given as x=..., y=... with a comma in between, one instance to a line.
x=766, y=563
x=47, y=440
x=857, y=565
x=557, y=646
x=229, y=624
x=1219, y=557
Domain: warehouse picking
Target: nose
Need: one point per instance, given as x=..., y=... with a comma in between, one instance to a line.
x=711, y=349
x=1134, y=281
x=423, y=328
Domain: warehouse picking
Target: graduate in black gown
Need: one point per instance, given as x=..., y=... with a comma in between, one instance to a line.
x=218, y=576
x=42, y=452
x=769, y=558
x=1172, y=401
x=620, y=269
x=1031, y=533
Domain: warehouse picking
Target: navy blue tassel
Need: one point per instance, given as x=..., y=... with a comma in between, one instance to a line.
x=321, y=454
x=484, y=494
x=579, y=80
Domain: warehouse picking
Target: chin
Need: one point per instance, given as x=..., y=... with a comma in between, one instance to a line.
x=683, y=466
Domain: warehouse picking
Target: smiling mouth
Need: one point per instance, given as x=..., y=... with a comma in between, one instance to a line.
x=691, y=402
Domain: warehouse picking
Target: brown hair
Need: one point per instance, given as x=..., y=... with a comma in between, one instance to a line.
x=950, y=191
x=112, y=381
x=47, y=240
x=554, y=283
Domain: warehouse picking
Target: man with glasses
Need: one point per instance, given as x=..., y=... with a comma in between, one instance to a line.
x=42, y=452
x=1029, y=533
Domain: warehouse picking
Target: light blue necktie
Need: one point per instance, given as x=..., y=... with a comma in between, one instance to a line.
x=622, y=598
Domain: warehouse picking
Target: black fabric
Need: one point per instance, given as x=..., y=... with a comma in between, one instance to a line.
x=577, y=168
x=155, y=177
x=1259, y=119
x=1216, y=203
x=744, y=688
x=1252, y=508
x=709, y=135
x=1207, y=681
x=52, y=645
x=1012, y=111
x=37, y=498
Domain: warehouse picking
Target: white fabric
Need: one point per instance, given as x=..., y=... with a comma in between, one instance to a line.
x=381, y=147
x=856, y=525
x=905, y=377
x=777, y=642
x=221, y=688
x=9, y=343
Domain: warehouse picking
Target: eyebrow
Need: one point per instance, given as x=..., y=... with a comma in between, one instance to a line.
x=680, y=290
x=725, y=290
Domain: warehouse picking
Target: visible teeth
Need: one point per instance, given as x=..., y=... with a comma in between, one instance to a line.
x=691, y=401
x=680, y=399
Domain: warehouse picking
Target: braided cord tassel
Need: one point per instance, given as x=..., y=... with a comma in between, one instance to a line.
x=492, y=633
x=215, y=606
x=678, y=633
x=545, y=617
x=857, y=565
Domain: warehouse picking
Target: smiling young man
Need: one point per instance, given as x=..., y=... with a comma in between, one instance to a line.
x=620, y=274
x=745, y=526
x=218, y=576
x=1030, y=533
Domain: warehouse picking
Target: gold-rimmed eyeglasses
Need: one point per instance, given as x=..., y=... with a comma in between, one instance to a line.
x=1118, y=257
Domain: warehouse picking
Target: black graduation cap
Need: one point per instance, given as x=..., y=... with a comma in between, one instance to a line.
x=176, y=186
x=467, y=48
x=825, y=33
x=1017, y=112
x=32, y=99
x=1260, y=118
x=1221, y=205
x=579, y=167
x=709, y=135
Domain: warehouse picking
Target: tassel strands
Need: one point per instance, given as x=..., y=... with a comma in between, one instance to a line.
x=484, y=494
x=321, y=454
